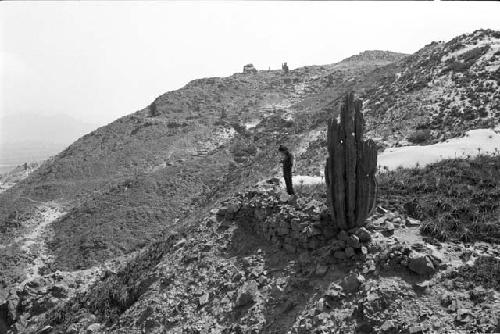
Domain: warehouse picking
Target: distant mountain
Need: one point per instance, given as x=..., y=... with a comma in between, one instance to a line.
x=27, y=137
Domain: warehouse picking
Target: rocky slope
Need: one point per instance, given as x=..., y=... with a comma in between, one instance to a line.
x=438, y=93
x=445, y=89
x=135, y=246
x=221, y=275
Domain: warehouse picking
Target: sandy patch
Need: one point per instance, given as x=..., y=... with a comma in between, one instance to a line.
x=481, y=141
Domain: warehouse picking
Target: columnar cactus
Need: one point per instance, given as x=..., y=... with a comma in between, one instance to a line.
x=350, y=168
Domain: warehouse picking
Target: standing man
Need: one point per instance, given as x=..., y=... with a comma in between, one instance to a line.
x=287, y=161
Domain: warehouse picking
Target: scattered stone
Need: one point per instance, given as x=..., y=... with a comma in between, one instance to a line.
x=364, y=250
x=180, y=243
x=423, y=286
x=284, y=197
x=410, y=222
x=388, y=229
x=353, y=241
x=478, y=295
x=464, y=316
x=232, y=208
x=419, y=247
x=45, y=330
x=421, y=264
x=352, y=282
x=247, y=294
x=204, y=299
x=333, y=294
x=364, y=235
x=388, y=325
x=94, y=328
x=416, y=330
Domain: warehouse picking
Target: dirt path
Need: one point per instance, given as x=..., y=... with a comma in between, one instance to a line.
x=40, y=288
x=34, y=243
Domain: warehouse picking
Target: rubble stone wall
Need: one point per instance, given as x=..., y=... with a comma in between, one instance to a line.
x=295, y=225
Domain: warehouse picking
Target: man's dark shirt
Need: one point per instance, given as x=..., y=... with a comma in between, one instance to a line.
x=287, y=162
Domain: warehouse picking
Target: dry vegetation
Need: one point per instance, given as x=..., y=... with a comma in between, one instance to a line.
x=455, y=199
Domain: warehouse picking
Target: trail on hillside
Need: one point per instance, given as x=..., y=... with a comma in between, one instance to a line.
x=34, y=243
x=41, y=288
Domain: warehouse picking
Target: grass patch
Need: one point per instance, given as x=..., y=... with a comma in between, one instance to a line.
x=485, y=271
x=314, y=191
x=455, y=199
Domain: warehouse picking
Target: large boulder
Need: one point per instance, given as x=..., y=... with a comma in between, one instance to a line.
x=421, y=264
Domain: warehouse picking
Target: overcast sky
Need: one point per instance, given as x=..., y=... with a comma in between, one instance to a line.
x=98, y=61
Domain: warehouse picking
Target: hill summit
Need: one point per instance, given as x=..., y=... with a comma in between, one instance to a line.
x=375, y=55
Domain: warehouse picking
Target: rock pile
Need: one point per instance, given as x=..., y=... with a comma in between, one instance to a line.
x=393, y=254
x=296, y=225
x=28, y=304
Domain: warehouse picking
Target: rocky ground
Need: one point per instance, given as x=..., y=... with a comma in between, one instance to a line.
x=439, y=92
x=218, y=276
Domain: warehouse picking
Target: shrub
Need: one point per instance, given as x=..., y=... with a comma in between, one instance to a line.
x=472, y=55
x=241, y=149
x=420, y=136
x=455, y=199
x=153, y=110
x=174, y=124
x=455, y=66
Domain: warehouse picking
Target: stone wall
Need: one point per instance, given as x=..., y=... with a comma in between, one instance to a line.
x=293, y=224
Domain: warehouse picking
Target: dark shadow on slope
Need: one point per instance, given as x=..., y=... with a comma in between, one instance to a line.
x=113, y=295
x=284, y=306
x=302, y=286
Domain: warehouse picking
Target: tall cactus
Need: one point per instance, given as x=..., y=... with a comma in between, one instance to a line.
x=350, y=168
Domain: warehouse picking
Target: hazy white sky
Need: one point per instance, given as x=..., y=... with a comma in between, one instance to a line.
x=97, y=61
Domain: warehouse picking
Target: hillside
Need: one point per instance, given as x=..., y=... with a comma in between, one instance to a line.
x=224, y=274
x=445, y=88
x=10, y=178
x=143, y=225
x=103, y=175
x=438, y=93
